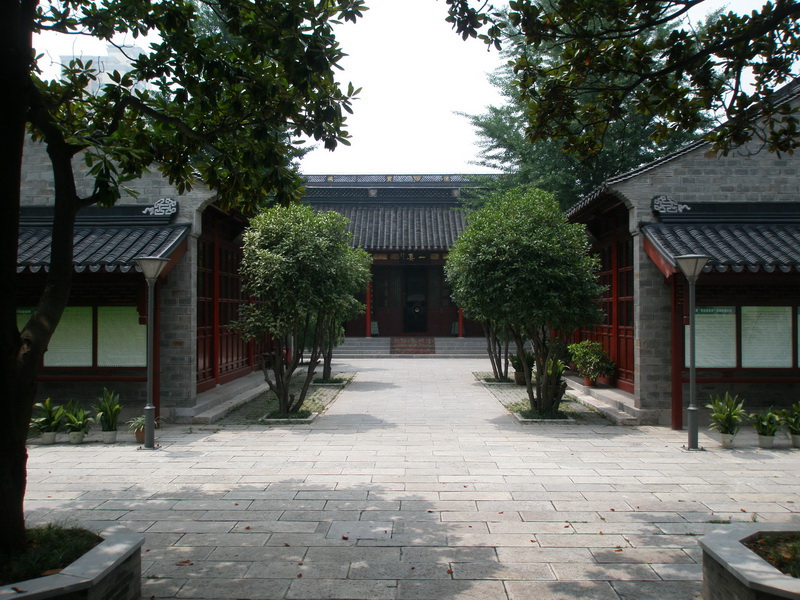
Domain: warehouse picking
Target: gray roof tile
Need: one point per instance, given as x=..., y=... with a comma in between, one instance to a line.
x=109, y=247
x=737, y=247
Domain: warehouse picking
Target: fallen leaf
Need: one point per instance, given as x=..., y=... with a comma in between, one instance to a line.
x=19, y=590
x=301, y=564
x=612, y=509
x=566, y=526
x=430, y=511
x=600, y=533
x=344, y=537
x=184, y=563
x=617, y=549
x=742, y=510
x=285, y=544
x=247, y=527
x=299, y=575
x=501, y=512
x=51, y=572
x=449, y=571
x=412, y=568
x=236, y=504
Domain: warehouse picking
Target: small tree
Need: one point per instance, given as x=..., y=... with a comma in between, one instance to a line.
x=520, y=263
x=303, y=274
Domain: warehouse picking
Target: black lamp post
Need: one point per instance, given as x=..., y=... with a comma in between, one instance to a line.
x=691, y=265
x=151, y=267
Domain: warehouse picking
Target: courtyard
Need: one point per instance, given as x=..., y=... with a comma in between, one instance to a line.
x=416, y=483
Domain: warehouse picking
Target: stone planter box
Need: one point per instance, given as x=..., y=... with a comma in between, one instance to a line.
x=731, y=570
x=112, y=570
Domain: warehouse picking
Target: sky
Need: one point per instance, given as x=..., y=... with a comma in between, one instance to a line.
x=416, y=74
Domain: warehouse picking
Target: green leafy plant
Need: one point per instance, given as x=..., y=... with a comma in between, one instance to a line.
x=766, y=422
x=136, y=423
x=727, y=413
x=591, y=360
x=108, y=409
x=51, y=416
x=517, y=363
x=791, y=419
x=76, y=418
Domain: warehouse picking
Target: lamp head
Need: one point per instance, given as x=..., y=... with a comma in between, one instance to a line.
x=151, y=266
x=691, y=265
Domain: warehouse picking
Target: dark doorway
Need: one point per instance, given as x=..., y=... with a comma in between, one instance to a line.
x=415, y=294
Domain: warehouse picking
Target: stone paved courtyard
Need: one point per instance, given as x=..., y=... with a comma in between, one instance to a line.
x=417, y=483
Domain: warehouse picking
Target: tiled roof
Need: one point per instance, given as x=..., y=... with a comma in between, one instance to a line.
x=107, y=247
x=400, y=226
x=737, y=247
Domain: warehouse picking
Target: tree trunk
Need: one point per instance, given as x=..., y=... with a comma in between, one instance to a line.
x=19, y=354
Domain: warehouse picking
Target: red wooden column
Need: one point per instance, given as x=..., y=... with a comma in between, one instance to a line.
x=368, y=312
x=460, y=322
x=215, y=301
x=676, y=408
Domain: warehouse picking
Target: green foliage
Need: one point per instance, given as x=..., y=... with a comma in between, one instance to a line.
x=727, y=413
x=543, y=163
x=791, y=419
x=50, y=547
x=519, y=263
x=516, y=362
x=136, y=423
x=221, y=104
x=302, y=271
x=108, y=409
x=594, y=63
x=766, y=422
x=51, y=417
x=591, y=360
x=76, y=418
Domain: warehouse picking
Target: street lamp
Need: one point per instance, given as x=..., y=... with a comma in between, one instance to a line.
x=691, y=265
x=151, y=267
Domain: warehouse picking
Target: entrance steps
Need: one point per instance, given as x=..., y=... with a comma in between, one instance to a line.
x=217, y=402
x=412, y=346
x=616, y=405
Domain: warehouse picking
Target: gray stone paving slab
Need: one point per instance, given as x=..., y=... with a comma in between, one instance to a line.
x=439, y=492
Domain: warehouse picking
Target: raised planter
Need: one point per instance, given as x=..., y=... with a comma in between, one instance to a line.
x=732, y=570
x=112, y=570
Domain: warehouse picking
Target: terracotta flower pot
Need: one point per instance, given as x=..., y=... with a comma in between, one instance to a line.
x=139, y=435
x=588, y=381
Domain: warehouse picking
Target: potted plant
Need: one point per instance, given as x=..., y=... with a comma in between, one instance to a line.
x=591, y=361
x=77, y=423
x=766, y=423
x=50, y=420
x=519, y=374
x=791, y=420
x=136, y=425
x=108, y=409
x=727, y=414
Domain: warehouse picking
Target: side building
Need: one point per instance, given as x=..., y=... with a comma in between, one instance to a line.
x=101, y=339
x=743, y=212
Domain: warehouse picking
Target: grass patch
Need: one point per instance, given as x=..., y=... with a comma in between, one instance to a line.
x=50, y=549
x=526, y=412
x=782, y=551
x=300, y=414
x=332, y=380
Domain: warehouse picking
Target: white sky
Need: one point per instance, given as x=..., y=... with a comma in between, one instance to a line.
x=415, y=74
